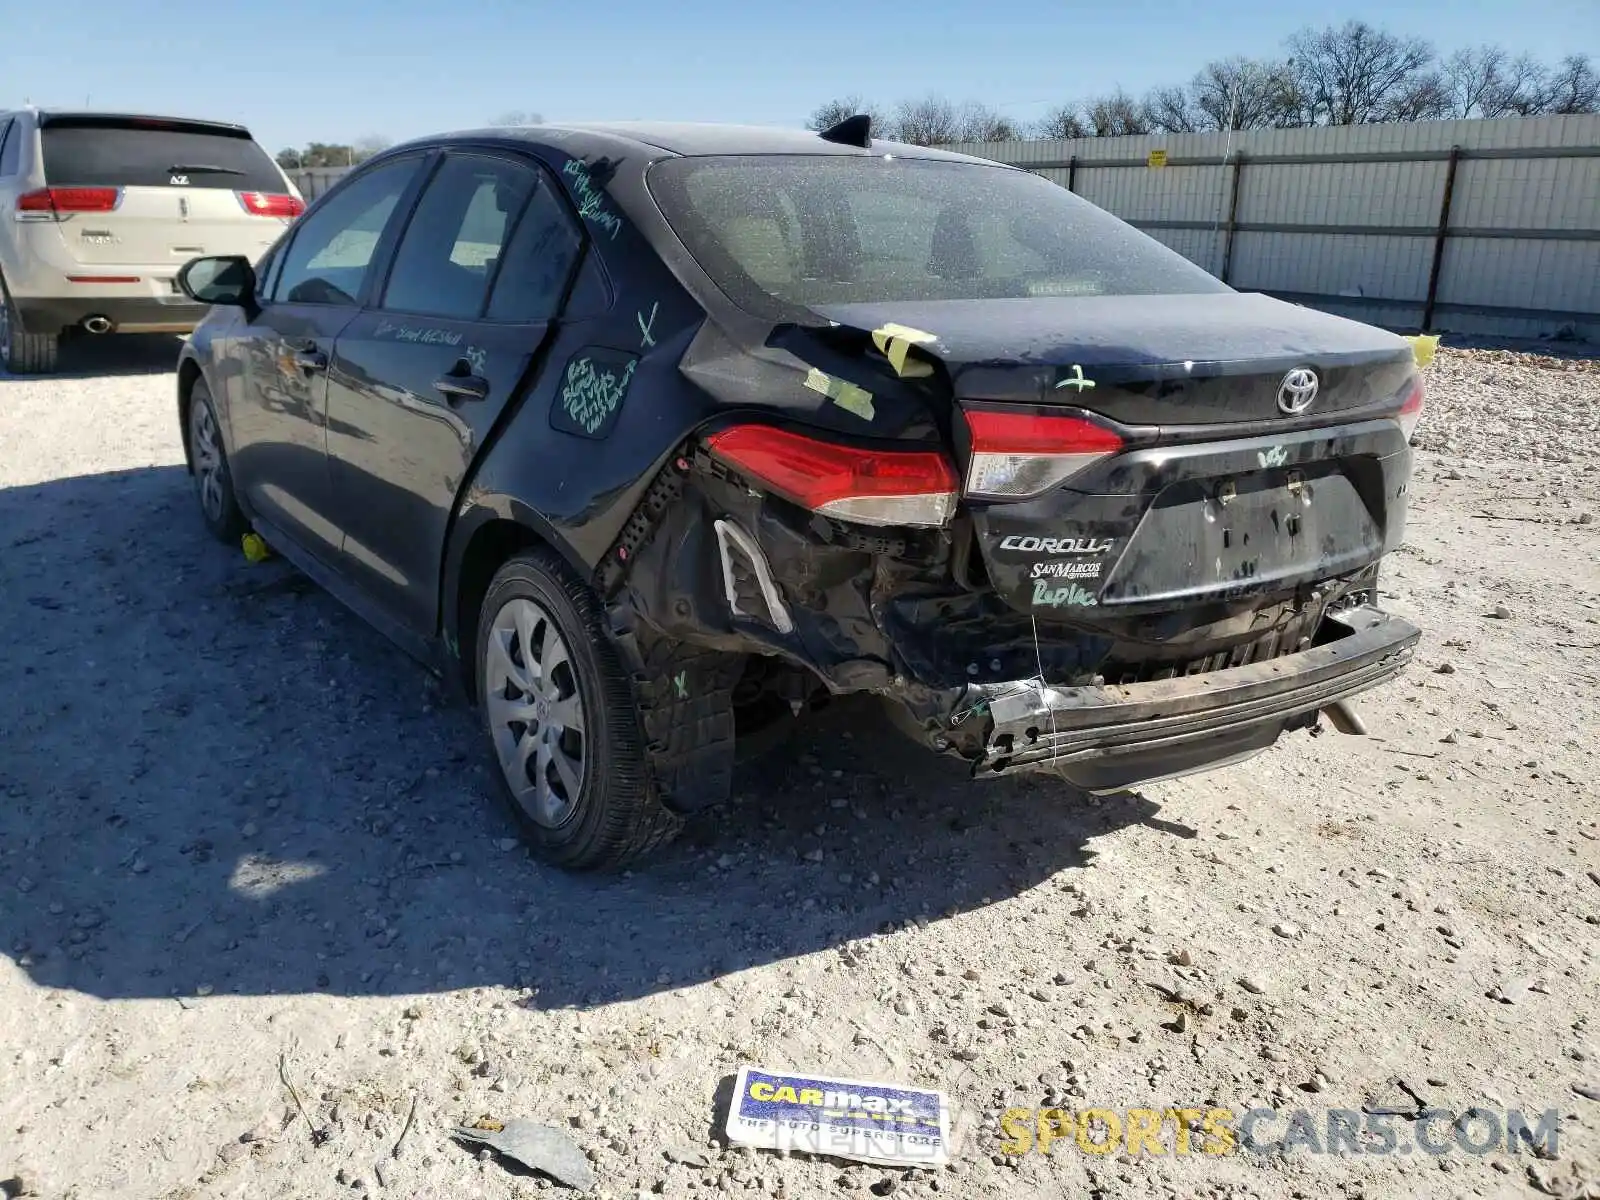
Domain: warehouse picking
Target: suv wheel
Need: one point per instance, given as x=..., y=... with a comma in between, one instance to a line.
x=24, y=353
x=563, y=721
x=213, y=482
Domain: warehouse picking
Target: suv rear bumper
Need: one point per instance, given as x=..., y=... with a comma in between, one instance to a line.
x=127, y=314
x=1103, y=738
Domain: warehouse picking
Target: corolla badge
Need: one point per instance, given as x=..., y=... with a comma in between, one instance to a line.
x=1297, y=391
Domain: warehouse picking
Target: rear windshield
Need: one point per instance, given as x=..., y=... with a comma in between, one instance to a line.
x=785, y=231
x=124, y=154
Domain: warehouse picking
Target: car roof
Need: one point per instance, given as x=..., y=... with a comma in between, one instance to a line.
x=692, y=139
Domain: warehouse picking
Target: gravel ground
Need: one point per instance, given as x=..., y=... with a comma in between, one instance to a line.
x=242, y=843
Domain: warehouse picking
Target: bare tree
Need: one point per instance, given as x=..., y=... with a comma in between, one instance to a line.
x=1245, y=93
x=1523, y=93
x=1423, y=97
x=980, y=123
x=1487, y=82
x=1173, y=110
x=1356, y=74
x=1346, y=75
x=930, y=121
x=1573, y=87
x=1063, y=121
x=516, y=117
x=1116, y=115
x=1472, y=79
x=826, y=116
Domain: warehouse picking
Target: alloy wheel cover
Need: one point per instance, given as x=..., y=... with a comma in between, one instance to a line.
x=536, y=712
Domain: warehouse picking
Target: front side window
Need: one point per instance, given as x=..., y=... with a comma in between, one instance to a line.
x=452, y=246
x=335, y=243
x=784, y=232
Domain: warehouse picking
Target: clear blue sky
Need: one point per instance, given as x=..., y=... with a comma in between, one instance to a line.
x=334, y=70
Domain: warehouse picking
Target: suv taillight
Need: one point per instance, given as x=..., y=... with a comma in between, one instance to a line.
x=871, y=487
x=1016, y=455
x=49, y=202
x=271, y=204
x=1411, y=410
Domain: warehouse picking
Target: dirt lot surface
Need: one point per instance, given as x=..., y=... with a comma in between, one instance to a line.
x=241, y=842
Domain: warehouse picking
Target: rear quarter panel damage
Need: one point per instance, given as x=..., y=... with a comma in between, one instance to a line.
x=622, y=392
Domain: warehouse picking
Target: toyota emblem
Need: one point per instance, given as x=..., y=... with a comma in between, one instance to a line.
x=1298, y=391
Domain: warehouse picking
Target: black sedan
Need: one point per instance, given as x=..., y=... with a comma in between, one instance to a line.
x=648, y=435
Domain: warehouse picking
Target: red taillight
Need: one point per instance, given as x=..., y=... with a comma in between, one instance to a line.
x=271, y=204
x=69, y=200
x=1411, y=410
x=873, y=487
x=1015, y=455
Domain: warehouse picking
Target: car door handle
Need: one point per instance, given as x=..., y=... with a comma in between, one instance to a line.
x=456, y=388
x=307, y=357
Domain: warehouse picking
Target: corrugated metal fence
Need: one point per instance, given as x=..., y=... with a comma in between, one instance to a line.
x=313, y=181
x=1468, y=226
x=1488, y=227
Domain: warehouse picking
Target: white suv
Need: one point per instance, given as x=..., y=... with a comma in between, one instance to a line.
x=99, y=210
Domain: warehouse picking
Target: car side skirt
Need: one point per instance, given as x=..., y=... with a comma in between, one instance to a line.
x=425, y=650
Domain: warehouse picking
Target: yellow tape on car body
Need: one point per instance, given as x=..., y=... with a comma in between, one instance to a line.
x=895, y=341
x=846, y=395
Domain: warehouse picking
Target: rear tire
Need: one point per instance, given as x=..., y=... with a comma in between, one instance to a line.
x=23, y=353
x=563, y=720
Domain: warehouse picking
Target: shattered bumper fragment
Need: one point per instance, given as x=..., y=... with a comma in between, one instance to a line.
x=1104, y=737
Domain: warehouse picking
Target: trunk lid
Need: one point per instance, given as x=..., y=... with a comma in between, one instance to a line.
x=1147, y=360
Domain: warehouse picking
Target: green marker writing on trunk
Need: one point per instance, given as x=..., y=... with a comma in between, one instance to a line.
x=1077, y=380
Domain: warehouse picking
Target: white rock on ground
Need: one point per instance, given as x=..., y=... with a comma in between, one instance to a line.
x=292, y=854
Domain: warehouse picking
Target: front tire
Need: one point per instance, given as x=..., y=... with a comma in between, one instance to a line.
x=563, y=721
x=208, y=463
x=23, y=353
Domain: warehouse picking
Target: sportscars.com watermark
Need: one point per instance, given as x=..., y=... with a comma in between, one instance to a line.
x=1267, y=1131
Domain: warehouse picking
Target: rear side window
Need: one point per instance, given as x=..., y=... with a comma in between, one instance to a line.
x=785, y=232
x=10, y=148
x=538, y=260
x=452, y=245
x=128, y=153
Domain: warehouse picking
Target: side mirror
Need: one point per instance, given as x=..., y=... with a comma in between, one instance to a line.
x=224, y=279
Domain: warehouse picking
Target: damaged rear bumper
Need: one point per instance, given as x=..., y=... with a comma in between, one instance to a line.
x=1103, y=738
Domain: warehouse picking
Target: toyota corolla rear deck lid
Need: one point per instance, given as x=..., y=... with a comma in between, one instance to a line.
x=1143, y=360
